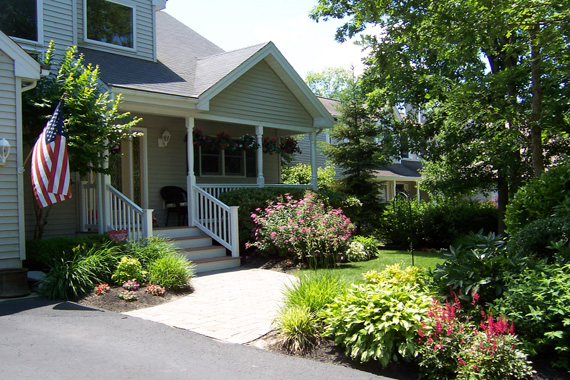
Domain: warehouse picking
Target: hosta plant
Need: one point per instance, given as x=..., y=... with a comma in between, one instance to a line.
x=377, y=322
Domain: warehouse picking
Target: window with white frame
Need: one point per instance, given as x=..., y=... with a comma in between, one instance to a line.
x=20, y=19
x=110, y=22
x=214, y=161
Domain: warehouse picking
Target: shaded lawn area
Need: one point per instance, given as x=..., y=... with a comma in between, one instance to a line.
x=352, y=272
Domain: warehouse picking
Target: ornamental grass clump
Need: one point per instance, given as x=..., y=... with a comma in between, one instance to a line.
x=304, y=230
x=453, y=347
x=297, y=327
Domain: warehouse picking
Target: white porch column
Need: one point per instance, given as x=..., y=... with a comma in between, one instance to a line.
x=190, y=177
x=103, y=198
x=394, y=195
x=259, y=135
x=313, y=142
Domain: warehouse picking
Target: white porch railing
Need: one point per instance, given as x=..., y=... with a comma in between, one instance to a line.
x=216, y=219
x=124, y=214
x=216, y=189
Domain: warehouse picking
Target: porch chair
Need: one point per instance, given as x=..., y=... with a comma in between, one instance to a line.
x=175, y=200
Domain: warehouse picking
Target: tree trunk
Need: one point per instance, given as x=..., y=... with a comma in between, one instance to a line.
x=536, y=105
x=503, y=200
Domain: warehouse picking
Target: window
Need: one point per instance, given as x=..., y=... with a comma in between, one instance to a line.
x=19, y=19
x=109, y=22
x=219, y=162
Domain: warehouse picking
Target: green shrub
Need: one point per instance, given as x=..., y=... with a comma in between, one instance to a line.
x=538, y=301
x=370, y=243
x=297, y=327
x=73, y=277
x=377, y=321
x=538, y=198
x=149, y=250
x=394, y=275
x=452, y=347
x=301, y=174
x=128, y=269
x=171, y=271
x=538, y=236
x=435, y=224
x=41, y=254
x=303, y=230
x=478, y=266
x=314, y=291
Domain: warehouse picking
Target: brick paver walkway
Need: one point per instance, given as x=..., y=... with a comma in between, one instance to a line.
x=235, y=306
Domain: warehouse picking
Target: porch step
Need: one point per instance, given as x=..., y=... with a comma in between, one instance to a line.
x=197, y=247
x=216, y=263
x=192, y=242
x=176, y=232
x=194, y=254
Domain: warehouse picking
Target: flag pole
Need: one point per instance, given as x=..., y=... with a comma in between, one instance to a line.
x=23, y=168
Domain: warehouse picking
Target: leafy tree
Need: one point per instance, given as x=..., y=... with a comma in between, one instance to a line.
x=331, y=82
x=490, y=77
x=358, y=151
x=93, y=122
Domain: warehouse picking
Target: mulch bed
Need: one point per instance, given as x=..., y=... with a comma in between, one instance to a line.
x=110, y=301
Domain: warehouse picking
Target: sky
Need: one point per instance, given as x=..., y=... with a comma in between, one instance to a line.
x=232, y=24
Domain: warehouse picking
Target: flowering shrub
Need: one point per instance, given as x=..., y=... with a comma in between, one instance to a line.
x=102, y=288
x=131, y=285
x=303, y=230
x=455, y=348
x=155, y=290
x=128, y=295
x=356, y=252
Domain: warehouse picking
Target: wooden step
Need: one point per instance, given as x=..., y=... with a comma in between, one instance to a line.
x=193, y=254
x=216, y=263
x=176, y=232
x=192, y=242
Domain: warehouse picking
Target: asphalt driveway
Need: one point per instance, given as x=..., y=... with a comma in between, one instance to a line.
x=45, y=340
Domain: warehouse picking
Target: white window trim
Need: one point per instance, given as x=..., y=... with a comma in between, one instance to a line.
x=106, y=44
x=31, y=44
x=223, y=166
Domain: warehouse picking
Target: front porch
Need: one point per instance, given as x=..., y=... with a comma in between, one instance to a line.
x=129, y=200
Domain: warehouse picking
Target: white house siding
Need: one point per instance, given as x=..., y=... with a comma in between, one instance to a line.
x=144, y=41
x=9, y=241
x=259, y=96
x=58, y=24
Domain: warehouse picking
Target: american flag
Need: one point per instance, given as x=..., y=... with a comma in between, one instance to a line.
x=50, y=164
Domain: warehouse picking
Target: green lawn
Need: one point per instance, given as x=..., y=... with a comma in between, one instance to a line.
x=352, y=272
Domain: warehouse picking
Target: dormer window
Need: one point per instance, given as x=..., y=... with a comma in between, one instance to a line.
x=20, y=19
x=109, y=22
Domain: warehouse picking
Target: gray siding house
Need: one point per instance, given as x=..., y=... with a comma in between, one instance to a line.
x=182, y=86
x=18, y=73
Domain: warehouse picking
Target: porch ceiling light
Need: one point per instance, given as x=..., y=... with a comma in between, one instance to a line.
x=4, y=150
x=164, y=139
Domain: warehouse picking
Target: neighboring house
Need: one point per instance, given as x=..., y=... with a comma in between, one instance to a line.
x=401, y=176
x=18, y=72
x=178, y=82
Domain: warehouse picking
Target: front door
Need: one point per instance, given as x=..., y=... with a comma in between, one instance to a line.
x=129, y=168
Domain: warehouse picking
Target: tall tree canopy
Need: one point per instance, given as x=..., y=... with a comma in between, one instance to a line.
x=331, y=82
x=490, y=77
x=93, y=122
